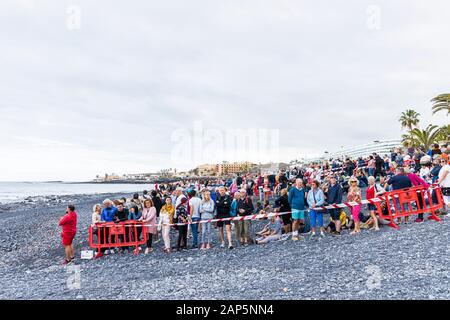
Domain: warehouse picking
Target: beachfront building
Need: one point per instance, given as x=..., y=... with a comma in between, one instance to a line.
x=234, y=168
x=223, y=169
x=380, y=147
x=206, y=170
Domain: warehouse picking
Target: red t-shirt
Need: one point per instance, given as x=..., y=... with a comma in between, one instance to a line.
x=370, y=193
x=69, y=223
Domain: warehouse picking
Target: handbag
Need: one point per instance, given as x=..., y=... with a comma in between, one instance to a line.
x=445, y=192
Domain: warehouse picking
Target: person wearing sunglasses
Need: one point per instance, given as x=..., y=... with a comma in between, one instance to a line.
x=354, y=195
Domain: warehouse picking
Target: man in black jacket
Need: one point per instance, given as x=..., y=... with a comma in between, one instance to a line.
x=223, y=208
x=157, y=202
x=245, y=208
x=122, y=216
x=379, y=164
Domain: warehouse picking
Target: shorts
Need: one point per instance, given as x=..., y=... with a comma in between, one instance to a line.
x=334, y=214
x=67, y=239
x=221, y=223
x=372, y=207
x=286, y=218
x=298, y=214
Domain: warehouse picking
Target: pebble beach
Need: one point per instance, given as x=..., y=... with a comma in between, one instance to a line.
x=411, y=263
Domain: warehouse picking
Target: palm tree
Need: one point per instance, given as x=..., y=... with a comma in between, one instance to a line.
x=425, y=137
x=441, y=103
x=408, y=140
x=444, y=133
x=409, y=119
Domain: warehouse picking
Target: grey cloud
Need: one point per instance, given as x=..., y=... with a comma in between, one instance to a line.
x=134, y=73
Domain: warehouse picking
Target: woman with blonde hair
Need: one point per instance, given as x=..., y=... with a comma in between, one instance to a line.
x=373, y=191
x=354, y=195
x=96, y=214
x=165, y=220
x=149, y=219
x=206, y=213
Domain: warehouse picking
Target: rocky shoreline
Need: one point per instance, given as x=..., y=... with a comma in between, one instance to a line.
x=39, y=202
x=408, y=264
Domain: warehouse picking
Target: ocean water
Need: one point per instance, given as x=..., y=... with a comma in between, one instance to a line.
x=17, y=191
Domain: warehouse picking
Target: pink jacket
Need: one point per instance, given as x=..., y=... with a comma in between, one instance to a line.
x=149, y=217
x=417, y=181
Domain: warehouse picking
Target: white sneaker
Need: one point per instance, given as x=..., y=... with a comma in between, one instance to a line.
x=222, y=245
x=322, y=235
x=106, y=251
x=147, y=251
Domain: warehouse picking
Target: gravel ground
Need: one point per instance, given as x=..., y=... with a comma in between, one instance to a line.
x=408, y=264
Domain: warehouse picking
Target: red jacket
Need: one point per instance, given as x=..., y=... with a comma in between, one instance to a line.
x=69, y=223
x=417, y=181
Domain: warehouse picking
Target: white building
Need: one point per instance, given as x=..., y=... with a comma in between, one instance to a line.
x=379, y=147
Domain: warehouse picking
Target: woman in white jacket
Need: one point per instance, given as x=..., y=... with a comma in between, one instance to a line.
x=165, y=220
x=206, y=213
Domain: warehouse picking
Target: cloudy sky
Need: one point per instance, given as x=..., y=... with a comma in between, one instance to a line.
x=89, y=87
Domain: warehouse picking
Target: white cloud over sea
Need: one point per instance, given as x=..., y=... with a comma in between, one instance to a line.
x=104, y=95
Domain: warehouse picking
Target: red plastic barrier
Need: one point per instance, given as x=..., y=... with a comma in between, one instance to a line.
x=408, y=202
x=114, y=235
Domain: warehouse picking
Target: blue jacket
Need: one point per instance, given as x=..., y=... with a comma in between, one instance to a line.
x=319, y=197
x=335, y=194
x=134, y=216
x=108, y=214
x=297, y=198
x=234, y=208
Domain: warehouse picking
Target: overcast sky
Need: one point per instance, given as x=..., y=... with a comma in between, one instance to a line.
x=89, y=87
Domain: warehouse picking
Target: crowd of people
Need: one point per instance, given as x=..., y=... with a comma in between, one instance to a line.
x=298, y=194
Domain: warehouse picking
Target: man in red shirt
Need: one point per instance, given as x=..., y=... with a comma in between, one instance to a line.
x=69, y=228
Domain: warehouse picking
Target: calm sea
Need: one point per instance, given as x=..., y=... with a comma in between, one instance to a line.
x=17, y=191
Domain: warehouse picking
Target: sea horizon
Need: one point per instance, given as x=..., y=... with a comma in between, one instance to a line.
x=17, y=191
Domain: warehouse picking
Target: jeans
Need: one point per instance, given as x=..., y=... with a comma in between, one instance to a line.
x=194, y=230
x=206, y=232
x=261, y=194
x=371, y=171
x=316, y=215
x=401, y=209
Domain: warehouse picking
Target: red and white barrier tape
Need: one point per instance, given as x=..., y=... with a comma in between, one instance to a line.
x=274, y=214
